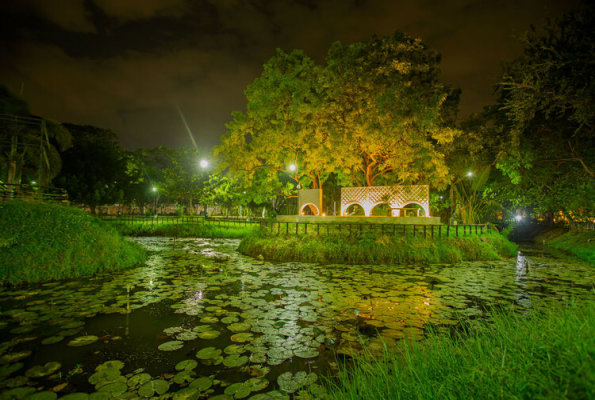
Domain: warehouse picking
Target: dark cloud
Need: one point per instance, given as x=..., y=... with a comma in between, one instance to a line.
x=130, y=65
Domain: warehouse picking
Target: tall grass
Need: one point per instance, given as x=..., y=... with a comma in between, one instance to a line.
x=577, y=242
x=370, y=248
x=42, y=242
x=185, y=230
x=547, y=354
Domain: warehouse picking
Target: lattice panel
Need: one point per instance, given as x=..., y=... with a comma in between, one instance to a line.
x=309, y=196
x=395, y=196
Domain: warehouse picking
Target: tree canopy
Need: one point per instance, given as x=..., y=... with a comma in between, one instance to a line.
x=374, y=114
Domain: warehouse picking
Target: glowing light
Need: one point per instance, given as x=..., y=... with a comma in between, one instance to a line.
x=33, y=182
x=323, y=214
x=518, y=217
x=292, y=167
x=469, y=173
x=204, y=163
x=154, y=189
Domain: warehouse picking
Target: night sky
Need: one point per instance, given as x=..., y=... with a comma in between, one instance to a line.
x=130, y=65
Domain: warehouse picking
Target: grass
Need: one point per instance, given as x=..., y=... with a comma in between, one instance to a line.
x=184, y=229
x=546, y=354
x=44, y=242
x=577, y=242
x=374, y=247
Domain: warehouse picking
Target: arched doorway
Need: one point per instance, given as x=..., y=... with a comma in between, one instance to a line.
x=309, y=209
x=355, y=210
x=381, y=210
x=412, y=210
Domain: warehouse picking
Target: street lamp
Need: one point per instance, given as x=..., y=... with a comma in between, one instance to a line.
x=155, y=205
x=204, y=163
x=292, y=167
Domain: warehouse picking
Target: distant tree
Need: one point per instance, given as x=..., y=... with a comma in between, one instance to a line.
x=94, y=169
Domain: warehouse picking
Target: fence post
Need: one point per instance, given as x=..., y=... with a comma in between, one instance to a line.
x=425, y=231
x=457, y=230
x=306, y=228
x=296, y=228
x=287, y=228
x=413, y=230
x=432, y=229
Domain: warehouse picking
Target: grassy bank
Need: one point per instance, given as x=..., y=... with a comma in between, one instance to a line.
x=548, y=354
x=184, y=230
x=371, y=248
x=576, y=242
x=43, y=242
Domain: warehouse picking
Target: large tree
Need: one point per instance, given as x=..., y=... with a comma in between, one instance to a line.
x=375, y=114
x=547, y=98
x=386, y=112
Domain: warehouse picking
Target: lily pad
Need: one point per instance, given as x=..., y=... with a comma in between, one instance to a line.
x=45, y=395
x=186, y=365
x=290, y=383
x=52, y=339
x=258, y=358
x=151, y=388
x=7, y=370
x=171, y=345
x=208, y=353
x=105, y=376
x=239, y=327
x=201, y=384
x=234, y=349
x=279, y=353
x=187, y=394
x=43, y=370
x=310, y=353
x=184, y=376
x=18, y=393
x=242, y=337
x=75, y=396
x=237, y=390
x=14, y=357
x=202, y=328
x=138, y=379
x=83, y=341
x=117, y=364
x=209, y=334
x=235, y=360
x=187, y=336
x=229, y=320
x=114, y=389
x=256, y=384
x=209, y=320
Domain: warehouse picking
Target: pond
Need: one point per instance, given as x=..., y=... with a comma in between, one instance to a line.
x=200, y=320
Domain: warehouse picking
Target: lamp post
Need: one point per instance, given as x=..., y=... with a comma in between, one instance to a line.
x=155, y=203
x=204, y=164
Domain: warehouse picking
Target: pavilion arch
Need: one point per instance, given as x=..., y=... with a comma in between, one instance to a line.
x=396, y=196
x=354, y=203
x=380, y=204
x=311, y=206
x=423, y=208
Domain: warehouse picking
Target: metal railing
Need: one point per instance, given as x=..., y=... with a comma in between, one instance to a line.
x=426, y=231
x=15, y=191
x=178, y=220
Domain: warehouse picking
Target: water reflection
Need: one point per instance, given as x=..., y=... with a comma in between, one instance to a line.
x=248, y=319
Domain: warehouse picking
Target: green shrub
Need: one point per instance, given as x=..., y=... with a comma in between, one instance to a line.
x=43, y=242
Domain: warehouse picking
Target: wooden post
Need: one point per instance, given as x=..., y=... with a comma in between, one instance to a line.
x=456, y=230
x=425, y=231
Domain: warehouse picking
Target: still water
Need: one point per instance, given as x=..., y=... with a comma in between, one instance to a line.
x=200, y=320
